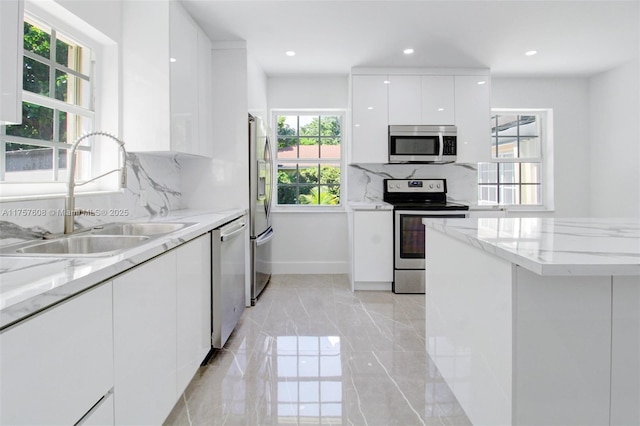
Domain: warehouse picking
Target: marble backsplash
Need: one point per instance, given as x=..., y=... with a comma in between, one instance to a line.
x=365, y=181
x=153, y=189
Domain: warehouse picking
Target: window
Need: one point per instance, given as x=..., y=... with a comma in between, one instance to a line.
x=309, y=158
x=515, y=175
x=57, y=108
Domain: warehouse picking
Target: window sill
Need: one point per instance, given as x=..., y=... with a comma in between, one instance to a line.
x=33, y=192
x=308, y=210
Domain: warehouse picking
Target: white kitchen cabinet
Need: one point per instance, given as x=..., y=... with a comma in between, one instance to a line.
x=163, y=71
x=183, y=61
x=437, y=100
x=369, y=119
x=372, y=254
x=405, y=93
x=473, y=118
x=205, y=95
x=56, y=365
x=102, y=414
x=421, y=99
x=193, y=307
x=11, y=22
x=144, y=327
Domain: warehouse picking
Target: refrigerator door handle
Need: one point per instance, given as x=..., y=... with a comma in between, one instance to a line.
x=265, y=238
x=269, y=176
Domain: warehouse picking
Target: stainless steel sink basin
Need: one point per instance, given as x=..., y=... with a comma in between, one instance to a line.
x=82, y=245
x=139, y=228
x=104, y=240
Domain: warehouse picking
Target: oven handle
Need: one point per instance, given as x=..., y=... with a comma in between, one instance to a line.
x=433, y=212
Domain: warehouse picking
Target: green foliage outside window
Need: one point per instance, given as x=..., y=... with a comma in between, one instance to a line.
x=308, y=176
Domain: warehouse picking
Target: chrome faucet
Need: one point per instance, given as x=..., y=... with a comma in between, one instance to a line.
x=70, y=210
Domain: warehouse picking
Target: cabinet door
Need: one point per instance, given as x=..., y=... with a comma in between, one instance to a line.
x=473, y=118
x=205, y=96
x=369, y=113
x=144, y=327
x=11, y=18
x=373, y=246
x=437, y=99
x=184, y=80
x=58, y=364
x=404, y=99
x=145, y=76
x=193, y=307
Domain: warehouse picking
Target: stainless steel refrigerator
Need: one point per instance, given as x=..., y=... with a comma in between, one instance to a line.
x=260, y=190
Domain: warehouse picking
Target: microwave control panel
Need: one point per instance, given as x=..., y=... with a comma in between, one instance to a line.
x=449, y=145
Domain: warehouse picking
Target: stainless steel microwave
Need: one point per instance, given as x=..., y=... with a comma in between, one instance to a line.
x=422, y=144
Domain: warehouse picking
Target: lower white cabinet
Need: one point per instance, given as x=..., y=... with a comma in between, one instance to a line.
x=56, y=365
x=372, y=254
x=144, y=327
x=162, y=330
x=193, y=307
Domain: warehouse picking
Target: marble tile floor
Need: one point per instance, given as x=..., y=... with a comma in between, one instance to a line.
x=313, y=352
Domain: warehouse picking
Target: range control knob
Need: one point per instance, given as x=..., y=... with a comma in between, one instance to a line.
x=438, y=186
x=430, y=186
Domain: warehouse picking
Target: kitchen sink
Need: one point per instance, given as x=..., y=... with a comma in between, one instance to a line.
x=103, y=240
x=81, y=245
x=138, y=228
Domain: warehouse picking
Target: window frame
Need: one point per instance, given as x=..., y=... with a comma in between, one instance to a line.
x=545, y=161
x=104, y=156
x=341, y=162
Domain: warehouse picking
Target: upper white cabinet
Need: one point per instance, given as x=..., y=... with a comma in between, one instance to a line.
x=165, y=67
x=56, y=365
x=404, y=99
x=473, y=118
x=370, y=119
x=382, y=97
x=421, y=99
x=11, y=19
x=437, y=100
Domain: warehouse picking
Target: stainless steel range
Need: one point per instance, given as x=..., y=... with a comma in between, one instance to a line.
x=413, y=200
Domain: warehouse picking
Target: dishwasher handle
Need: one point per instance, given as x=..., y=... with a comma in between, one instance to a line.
x=234, y=233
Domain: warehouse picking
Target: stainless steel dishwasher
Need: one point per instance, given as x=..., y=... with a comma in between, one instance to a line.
x=227, y=278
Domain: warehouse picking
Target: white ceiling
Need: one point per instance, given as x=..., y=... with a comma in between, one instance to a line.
x=331, y=36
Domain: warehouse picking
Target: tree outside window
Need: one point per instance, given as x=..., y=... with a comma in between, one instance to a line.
x=309, y=159
x=57, y=108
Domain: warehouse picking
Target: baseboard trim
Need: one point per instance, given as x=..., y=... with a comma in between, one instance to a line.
x=310, y=267
x=372, y=286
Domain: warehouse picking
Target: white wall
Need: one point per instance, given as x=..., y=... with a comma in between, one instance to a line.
x=615, y=142
x=569, y=99
x=308, y=242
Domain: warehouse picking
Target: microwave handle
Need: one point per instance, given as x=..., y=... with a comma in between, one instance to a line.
x=440, y=136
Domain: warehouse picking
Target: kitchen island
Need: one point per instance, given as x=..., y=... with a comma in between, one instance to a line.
x=536, y=321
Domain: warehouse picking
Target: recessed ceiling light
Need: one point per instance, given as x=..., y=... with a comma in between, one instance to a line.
x=386, y=82
x=440, y=109
x=408, y=51
x=369, y=107
x=481, y=82
x=530, y=52
x=172, y=60
x=290, y=53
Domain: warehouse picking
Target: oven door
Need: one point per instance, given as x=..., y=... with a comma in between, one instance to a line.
x=409, y=236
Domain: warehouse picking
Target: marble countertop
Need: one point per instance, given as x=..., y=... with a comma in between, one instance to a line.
x=554, y=246
x=370, y=205
x=29, y=284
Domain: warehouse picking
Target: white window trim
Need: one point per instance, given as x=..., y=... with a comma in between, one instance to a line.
x=106, y=113
x=546, y=161
x=308, y=208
